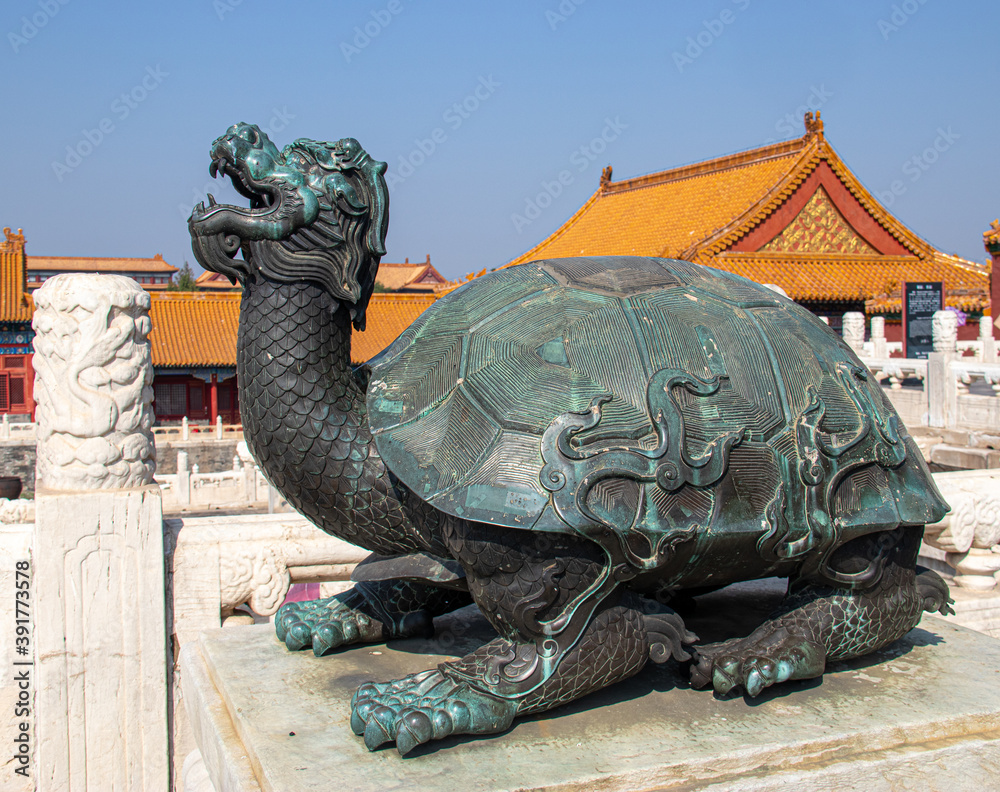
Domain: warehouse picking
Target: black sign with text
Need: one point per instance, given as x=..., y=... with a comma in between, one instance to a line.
x=920, y=301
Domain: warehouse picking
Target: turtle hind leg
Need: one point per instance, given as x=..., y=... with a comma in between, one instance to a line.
x=818, y=623
x=371, y=612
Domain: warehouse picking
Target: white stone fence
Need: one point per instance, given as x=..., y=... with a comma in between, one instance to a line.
x=16, y=430
x=944, y=399
x=25, y=430
x=984, y=348
x=244, y=485
x=220, y=431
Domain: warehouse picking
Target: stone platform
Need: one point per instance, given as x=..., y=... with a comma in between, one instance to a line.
x=922, y=714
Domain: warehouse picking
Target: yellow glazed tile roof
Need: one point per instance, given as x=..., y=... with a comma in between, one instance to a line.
x=192, y=329
x=875, y=279
x=387, y=316
x=664, y=214
x=700, y=212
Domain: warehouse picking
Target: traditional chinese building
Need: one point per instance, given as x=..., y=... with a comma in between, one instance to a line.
x=790, y=214
x=405, y=278
x=193, y=338
x=16, y=308
x=153, y=274
x=193, y=344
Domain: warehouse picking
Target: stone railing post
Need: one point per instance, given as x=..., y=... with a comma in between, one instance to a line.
x=185, y=431
x=880, y=347
x=989, y=344
x=4, y=427
x=854, y=331
x=183, y=479
x=942, y=395
x=218, y=427
x=100, y=620
x=249, y=471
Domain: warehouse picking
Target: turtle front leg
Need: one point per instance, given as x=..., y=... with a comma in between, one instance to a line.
x=368, y=613
x=520, y=581
x=456, y=698
x=818, y=623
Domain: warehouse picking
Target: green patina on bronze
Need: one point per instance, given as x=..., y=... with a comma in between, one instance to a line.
x=572, y=444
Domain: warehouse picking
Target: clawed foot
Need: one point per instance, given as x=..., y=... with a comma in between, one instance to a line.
x=423, y=707
x=767, y=656
x=344, y=619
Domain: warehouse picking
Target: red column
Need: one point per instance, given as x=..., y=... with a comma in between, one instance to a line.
x=214, y=401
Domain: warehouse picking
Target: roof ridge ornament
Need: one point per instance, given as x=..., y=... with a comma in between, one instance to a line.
x=606, y=176
x=13, y=243
x=991, y=238
x=814, y=125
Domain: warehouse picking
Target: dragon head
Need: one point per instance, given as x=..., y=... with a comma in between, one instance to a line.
x=318, y=212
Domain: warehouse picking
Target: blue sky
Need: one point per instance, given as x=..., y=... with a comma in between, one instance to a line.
x=111, y=107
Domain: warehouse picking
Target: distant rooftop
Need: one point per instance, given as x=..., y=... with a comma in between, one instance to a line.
x=152, y=274
x=405, y=278
x=198, y=329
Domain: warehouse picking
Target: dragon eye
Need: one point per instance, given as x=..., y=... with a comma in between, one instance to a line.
x=249, y=134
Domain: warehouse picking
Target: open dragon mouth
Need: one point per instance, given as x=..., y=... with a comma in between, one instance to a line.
x=262, y=196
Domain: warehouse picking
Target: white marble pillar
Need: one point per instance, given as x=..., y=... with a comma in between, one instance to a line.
x=942, y=394
x=854, y=331
x=100, y=629
x=183, y=479
x=880, y=347
x=989, y=353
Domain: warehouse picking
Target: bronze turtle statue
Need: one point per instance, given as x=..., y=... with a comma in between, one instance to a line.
x=567, y=443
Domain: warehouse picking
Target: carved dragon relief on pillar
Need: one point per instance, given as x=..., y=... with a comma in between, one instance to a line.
x=93, y=383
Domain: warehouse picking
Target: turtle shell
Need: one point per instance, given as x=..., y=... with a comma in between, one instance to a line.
x=650, y=396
